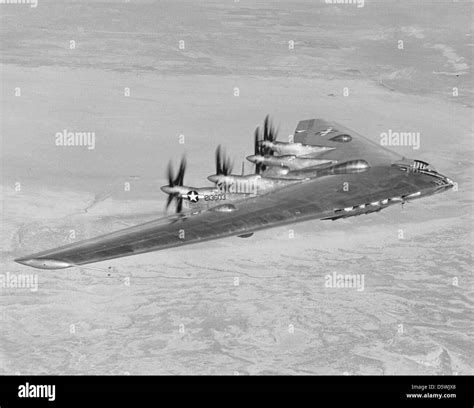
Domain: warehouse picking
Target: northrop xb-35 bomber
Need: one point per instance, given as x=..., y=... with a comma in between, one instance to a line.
x=278, y=193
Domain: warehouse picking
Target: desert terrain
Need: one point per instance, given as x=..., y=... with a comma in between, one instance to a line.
x=235, y=306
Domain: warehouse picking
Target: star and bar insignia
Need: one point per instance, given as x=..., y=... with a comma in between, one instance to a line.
x=193, y=196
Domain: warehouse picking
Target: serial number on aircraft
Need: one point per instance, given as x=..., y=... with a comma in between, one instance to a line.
x=214, y=197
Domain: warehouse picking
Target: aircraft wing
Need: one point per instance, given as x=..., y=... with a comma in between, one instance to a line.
x=317, y=198
x=348, y=144
x=379, y=186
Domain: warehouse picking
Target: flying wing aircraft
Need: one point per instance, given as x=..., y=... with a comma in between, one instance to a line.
x=377, y=178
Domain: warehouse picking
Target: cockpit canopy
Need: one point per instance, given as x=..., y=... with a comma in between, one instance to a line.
x=421, y=165
x=414, y=165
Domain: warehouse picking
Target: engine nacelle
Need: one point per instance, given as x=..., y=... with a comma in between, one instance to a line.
x=280, y=171
x=349, y=167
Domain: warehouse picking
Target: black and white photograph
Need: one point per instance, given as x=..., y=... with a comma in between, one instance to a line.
x=236, y=188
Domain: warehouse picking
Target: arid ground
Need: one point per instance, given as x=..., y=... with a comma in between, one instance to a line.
x=139, y=75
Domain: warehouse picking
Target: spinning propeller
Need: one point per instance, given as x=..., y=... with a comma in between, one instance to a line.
x=259, y=150
x=175, y=182
x=223, y=163
x=261, y=147
x=269, y=132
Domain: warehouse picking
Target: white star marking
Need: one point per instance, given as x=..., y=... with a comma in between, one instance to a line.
x=193, y=197
x=326, y=132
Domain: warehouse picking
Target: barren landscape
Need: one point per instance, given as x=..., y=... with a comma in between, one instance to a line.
x=234, y=306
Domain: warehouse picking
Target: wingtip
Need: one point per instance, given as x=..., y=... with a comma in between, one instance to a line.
x=43, y=263
x=20, y=260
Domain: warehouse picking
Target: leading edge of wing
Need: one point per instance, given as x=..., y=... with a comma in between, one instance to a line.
x=52, y=258
x=313, y=199
x=161, y=233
